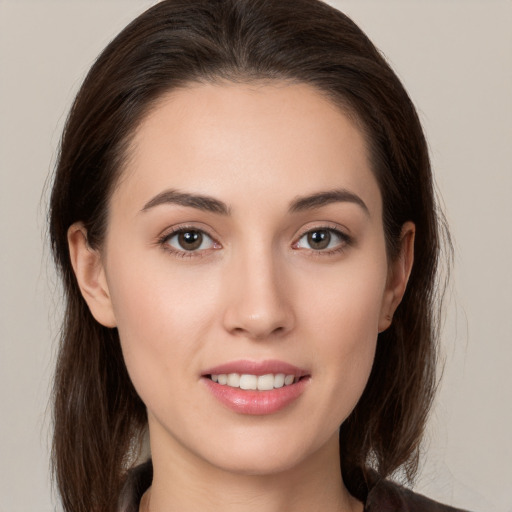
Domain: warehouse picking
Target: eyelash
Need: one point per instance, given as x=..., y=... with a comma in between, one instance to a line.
x=345, y=241
x=163, y=241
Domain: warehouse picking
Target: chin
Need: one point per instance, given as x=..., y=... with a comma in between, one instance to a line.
x=270, y=453
x=260, y=463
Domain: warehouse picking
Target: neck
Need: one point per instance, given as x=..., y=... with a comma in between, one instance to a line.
x=184, y=482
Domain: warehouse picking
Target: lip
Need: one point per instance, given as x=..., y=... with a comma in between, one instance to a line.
x=257, y=402
x=257, y=368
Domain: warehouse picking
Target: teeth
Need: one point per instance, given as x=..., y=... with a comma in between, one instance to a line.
x=279, y=380
x=253, y=382
x=248, y=382
x=265, y=382
x=234, y=380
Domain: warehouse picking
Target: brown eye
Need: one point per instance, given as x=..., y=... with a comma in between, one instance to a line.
x=189, y=240
x=319, y=239
x=323, y=240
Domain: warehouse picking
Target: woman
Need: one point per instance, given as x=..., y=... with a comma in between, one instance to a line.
x=244, y=220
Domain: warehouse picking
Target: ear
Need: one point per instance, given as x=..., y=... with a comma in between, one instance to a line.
x=398, y=276
x=90, y=274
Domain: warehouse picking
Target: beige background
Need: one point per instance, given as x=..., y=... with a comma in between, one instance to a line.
x=455, y=57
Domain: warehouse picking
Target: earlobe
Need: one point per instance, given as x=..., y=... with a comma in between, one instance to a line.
x=90, y=275
x=398, y=276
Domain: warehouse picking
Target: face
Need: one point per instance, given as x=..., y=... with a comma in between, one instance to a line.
x=245, y=249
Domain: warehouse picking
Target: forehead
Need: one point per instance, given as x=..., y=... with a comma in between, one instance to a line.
x=231, y=139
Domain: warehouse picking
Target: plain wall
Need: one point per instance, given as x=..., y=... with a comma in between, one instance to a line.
x=455, y=58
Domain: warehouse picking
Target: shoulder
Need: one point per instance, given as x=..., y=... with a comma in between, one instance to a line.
x=382, y=495
x=387, y=496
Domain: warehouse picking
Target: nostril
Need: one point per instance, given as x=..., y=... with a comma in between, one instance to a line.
x=258, y=316
x=259, y=327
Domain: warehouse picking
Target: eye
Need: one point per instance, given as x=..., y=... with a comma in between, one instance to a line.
x=189, y=240
x=322, y=239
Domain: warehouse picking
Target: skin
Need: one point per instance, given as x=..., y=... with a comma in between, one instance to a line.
x=256, y=289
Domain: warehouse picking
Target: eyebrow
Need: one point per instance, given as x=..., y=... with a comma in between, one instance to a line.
x=210, y=204
x=200, y=202
x=324, y=198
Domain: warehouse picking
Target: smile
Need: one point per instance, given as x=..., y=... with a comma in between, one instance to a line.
x=256, y=387
x=254, y=382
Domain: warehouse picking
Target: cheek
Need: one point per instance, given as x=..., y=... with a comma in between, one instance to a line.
x=345, y=302
x=162, y=319
x=343, y=318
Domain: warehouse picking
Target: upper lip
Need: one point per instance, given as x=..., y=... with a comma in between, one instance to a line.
x=256, y=368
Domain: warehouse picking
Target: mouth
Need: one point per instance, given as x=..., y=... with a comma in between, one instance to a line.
x=247, y=381
x=256, y=388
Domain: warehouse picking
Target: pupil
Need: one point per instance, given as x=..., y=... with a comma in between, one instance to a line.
x=319, y=239
x=190, y=240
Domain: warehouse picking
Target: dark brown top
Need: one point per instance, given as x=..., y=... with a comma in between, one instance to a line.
x=381, y=495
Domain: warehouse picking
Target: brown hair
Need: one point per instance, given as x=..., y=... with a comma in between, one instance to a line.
x=97, y=414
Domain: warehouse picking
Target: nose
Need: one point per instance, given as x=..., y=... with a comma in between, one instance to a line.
x=259, y=298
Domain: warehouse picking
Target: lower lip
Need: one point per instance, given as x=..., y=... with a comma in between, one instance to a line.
x=256, y=402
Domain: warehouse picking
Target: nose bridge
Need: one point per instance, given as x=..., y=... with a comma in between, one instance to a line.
x=258, y=305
